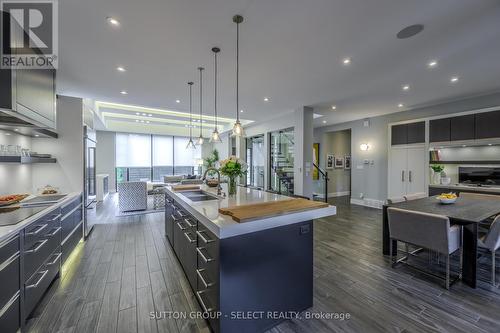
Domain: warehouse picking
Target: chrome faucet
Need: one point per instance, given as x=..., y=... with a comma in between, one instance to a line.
x=219, y=188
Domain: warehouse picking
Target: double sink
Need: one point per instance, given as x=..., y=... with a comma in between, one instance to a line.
x=199, y=195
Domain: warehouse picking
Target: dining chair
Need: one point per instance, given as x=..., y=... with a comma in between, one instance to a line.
x=491, y=242
x=415, y=196
x=429, y=231
x=395, y=200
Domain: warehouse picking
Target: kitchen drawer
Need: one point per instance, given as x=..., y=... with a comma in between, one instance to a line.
x=8, y=248
x=10, y=314
x=35, y=255
x=71, y=220
x=71, y=206
x=36, y=286
x=39, y=229
x=71, y=242
x=9, y=277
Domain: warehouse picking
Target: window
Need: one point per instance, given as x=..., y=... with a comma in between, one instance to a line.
x=143, y=157
x=281, y=178
x=255, y=161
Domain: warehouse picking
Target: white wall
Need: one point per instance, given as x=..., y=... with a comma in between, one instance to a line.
x=105, y=156
x=15, y=177
x=369, y=182
x=67, y=173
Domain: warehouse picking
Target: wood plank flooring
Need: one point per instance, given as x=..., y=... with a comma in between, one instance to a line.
x=126, y=269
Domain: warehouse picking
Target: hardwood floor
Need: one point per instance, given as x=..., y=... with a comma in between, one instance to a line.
x=126, y=269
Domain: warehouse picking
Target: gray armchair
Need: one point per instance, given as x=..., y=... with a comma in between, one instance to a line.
x=429, y=231
x=491, y=241
x=132, y=196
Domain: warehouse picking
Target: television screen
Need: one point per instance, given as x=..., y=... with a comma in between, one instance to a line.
x=479, y=175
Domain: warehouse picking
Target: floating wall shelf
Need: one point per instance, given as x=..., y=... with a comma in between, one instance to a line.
x=26, y=160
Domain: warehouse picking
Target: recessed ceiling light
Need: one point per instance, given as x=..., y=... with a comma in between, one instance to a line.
x=454, y=79
x=241, y=111
x=138, y=113
x=406, y=87
x=177, y=101
x=334, y=107
x=37, y=135
x=121, y=69
x=143, y=114
x=7, y=133
x=16, y=129
x=346, y=61
x=147, y=122
x=490, y=144
x=324, y=121
x=432, y=63
x=112, y=21
x=137, y=120
x=266, y=99
x=150, y=115
x=400, y=105
x=123, y=92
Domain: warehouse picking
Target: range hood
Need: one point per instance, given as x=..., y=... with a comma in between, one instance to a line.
x=13, y=121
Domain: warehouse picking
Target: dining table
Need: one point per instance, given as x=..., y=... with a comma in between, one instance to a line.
x=468, y=211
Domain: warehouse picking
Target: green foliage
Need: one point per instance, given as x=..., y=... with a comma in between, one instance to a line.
x=437, y=167
x=211, y=160
x=233, y=167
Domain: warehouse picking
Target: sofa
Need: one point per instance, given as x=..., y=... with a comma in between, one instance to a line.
x=132, y=196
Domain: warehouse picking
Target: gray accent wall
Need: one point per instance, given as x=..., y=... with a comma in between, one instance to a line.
x=369, y=180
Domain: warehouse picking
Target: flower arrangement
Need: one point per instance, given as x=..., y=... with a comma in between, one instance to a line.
x=233, y=167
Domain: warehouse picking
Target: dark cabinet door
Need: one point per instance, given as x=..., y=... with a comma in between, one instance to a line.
x=416, y=132
x=462, y=128
x=488, y=125
x=439, y=130
x=399, y=135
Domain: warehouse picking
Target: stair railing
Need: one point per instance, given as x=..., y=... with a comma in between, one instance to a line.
x=324, y=175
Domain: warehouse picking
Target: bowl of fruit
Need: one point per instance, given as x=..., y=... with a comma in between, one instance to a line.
x=447, y=198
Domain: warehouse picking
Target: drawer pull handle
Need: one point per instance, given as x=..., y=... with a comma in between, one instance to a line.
x=9, y=303
x=38, y=229
x=54, y=232
x=204, y=257
x=9, y=261
x=181, y=226
x=55, y=260
x=203, y=238
x=188, y=221
x=38, y=247
x=205, y=283
x=174, y=218
x=190, y=240
x=205, y=308
x=34, y=285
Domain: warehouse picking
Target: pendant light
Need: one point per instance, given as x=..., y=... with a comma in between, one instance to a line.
x=200, y=138
x=190, y=144
x=237, y=128
x=215, y=134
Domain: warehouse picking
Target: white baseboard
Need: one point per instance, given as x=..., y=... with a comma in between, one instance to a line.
x=373, y=203
x=333, y=194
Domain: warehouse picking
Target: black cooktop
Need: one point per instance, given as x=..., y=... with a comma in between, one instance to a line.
x=14, y=215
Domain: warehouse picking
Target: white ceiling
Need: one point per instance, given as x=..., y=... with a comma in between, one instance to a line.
x=291, y=51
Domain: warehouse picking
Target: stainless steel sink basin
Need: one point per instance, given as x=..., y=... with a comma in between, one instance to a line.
x=199, y=195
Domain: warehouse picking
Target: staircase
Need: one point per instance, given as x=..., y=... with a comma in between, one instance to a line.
x=282, y=166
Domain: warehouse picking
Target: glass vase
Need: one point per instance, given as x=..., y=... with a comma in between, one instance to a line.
x=231, y=186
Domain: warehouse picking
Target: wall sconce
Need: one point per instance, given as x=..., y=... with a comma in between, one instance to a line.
x=364, y=146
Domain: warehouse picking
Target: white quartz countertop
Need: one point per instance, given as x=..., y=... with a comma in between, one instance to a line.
x=468, y=188
x=9, y=230
x=207, y=212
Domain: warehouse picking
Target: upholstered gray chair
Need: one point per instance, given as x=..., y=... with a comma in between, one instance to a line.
x=132, y=196
x=415, y=196
x=395, y=200
x=491, y=241
x=429, y=231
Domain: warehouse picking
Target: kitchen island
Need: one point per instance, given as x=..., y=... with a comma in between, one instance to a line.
x=247, y=276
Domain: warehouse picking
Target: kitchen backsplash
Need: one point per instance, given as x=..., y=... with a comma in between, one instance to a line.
x=14, y=177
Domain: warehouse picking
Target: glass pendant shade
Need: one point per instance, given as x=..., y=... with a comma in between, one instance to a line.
x=200, y=140
x=215, y=138
x=190, y=144
x=238, y=130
